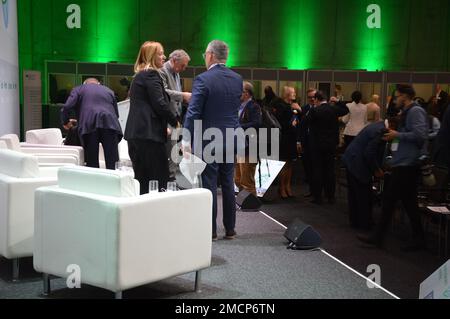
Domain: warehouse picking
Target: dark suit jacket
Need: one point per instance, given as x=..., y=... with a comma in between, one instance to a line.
x=323, y=126
x=303, y=129
x=149, y=108
x=95, y=106
x=442, y=144
x=216, y=97
x=251, y=116
x=365, y=154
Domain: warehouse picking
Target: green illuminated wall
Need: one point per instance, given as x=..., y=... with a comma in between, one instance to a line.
x=296, y=34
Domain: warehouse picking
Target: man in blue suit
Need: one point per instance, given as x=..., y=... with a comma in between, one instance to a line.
x=215, y=102
x=98, y=121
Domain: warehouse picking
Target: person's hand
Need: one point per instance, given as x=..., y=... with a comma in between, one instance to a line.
x=187, y=150
x=390, y=135
x=169, y=132
x=299, y=148
x=70, y=124
x=379, y=173
x=187, y=97
x=296, y=106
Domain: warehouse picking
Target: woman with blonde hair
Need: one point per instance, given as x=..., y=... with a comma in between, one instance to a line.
x=146, y=128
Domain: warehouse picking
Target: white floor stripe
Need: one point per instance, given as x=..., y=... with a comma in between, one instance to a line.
x=340, y=262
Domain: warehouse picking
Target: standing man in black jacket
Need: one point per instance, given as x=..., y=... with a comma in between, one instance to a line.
x=323, y=139
x=303, y=138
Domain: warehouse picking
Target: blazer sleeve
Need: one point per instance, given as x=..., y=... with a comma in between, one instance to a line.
x=200, y=94
x=341, y=109
x=70, y=104
x=255, y=117
x=174, y=95
x=158, y=101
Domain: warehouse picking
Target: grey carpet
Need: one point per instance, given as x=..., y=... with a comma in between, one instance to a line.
x=401, y=272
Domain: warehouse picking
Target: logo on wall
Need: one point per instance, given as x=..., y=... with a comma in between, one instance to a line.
x=5, y=12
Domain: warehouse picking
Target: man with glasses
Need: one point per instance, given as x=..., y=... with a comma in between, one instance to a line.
x=407, y=146
x=303, y=138
x=249, y=117
x=216, y=98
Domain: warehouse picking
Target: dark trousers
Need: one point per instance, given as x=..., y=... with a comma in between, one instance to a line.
x=149, y=163
x=402, y=186
x=323, y=174
x=210, y=176
x=110, y=141
x=308, y=166
x=359, y=203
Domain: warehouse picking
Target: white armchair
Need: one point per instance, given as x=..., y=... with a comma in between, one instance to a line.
x=50, y=136
x=96, y=220
x=20, y=175
x=48, y=155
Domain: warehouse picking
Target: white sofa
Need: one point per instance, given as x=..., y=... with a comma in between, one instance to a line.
x=96, y=220
x=48, y=155
x=20, y=175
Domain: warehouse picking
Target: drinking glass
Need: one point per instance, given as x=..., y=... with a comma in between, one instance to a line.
x=153, y=187
x=171, y=187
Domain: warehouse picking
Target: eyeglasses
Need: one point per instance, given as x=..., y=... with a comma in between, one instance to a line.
x=204, y=55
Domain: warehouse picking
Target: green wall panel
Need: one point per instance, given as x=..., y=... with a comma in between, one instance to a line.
x=294, y=34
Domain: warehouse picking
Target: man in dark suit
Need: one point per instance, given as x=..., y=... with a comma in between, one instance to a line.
x=303, y=138
x=363, y=159
x=98, y=121
x=323, y=139
x=250, y=117
x=215, y=102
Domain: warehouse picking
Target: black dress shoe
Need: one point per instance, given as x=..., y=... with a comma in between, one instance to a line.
x=370, y=240
x=414, y=246
x=307, y=195
x=317, y=201
x=214, y=237
x=230, y=234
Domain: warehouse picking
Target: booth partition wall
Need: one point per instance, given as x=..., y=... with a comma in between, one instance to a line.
x=62, y=76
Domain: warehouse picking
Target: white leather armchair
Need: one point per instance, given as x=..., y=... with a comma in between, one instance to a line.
x=48, y=155
x=20, y=175
x=96, y=220
x=50, y=136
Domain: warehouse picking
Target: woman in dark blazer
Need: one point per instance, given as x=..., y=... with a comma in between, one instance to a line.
x=146, y=128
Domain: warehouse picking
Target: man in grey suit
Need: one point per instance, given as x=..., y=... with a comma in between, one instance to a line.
x=170, y=73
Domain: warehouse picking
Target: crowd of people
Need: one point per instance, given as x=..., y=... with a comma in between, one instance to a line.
x=313, y=133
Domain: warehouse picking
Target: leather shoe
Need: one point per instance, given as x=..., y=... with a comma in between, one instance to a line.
x=214, y=237
x=414, y=246
x=307, y=195
x=230, y=234
x=370, y=240
x=316, y=201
